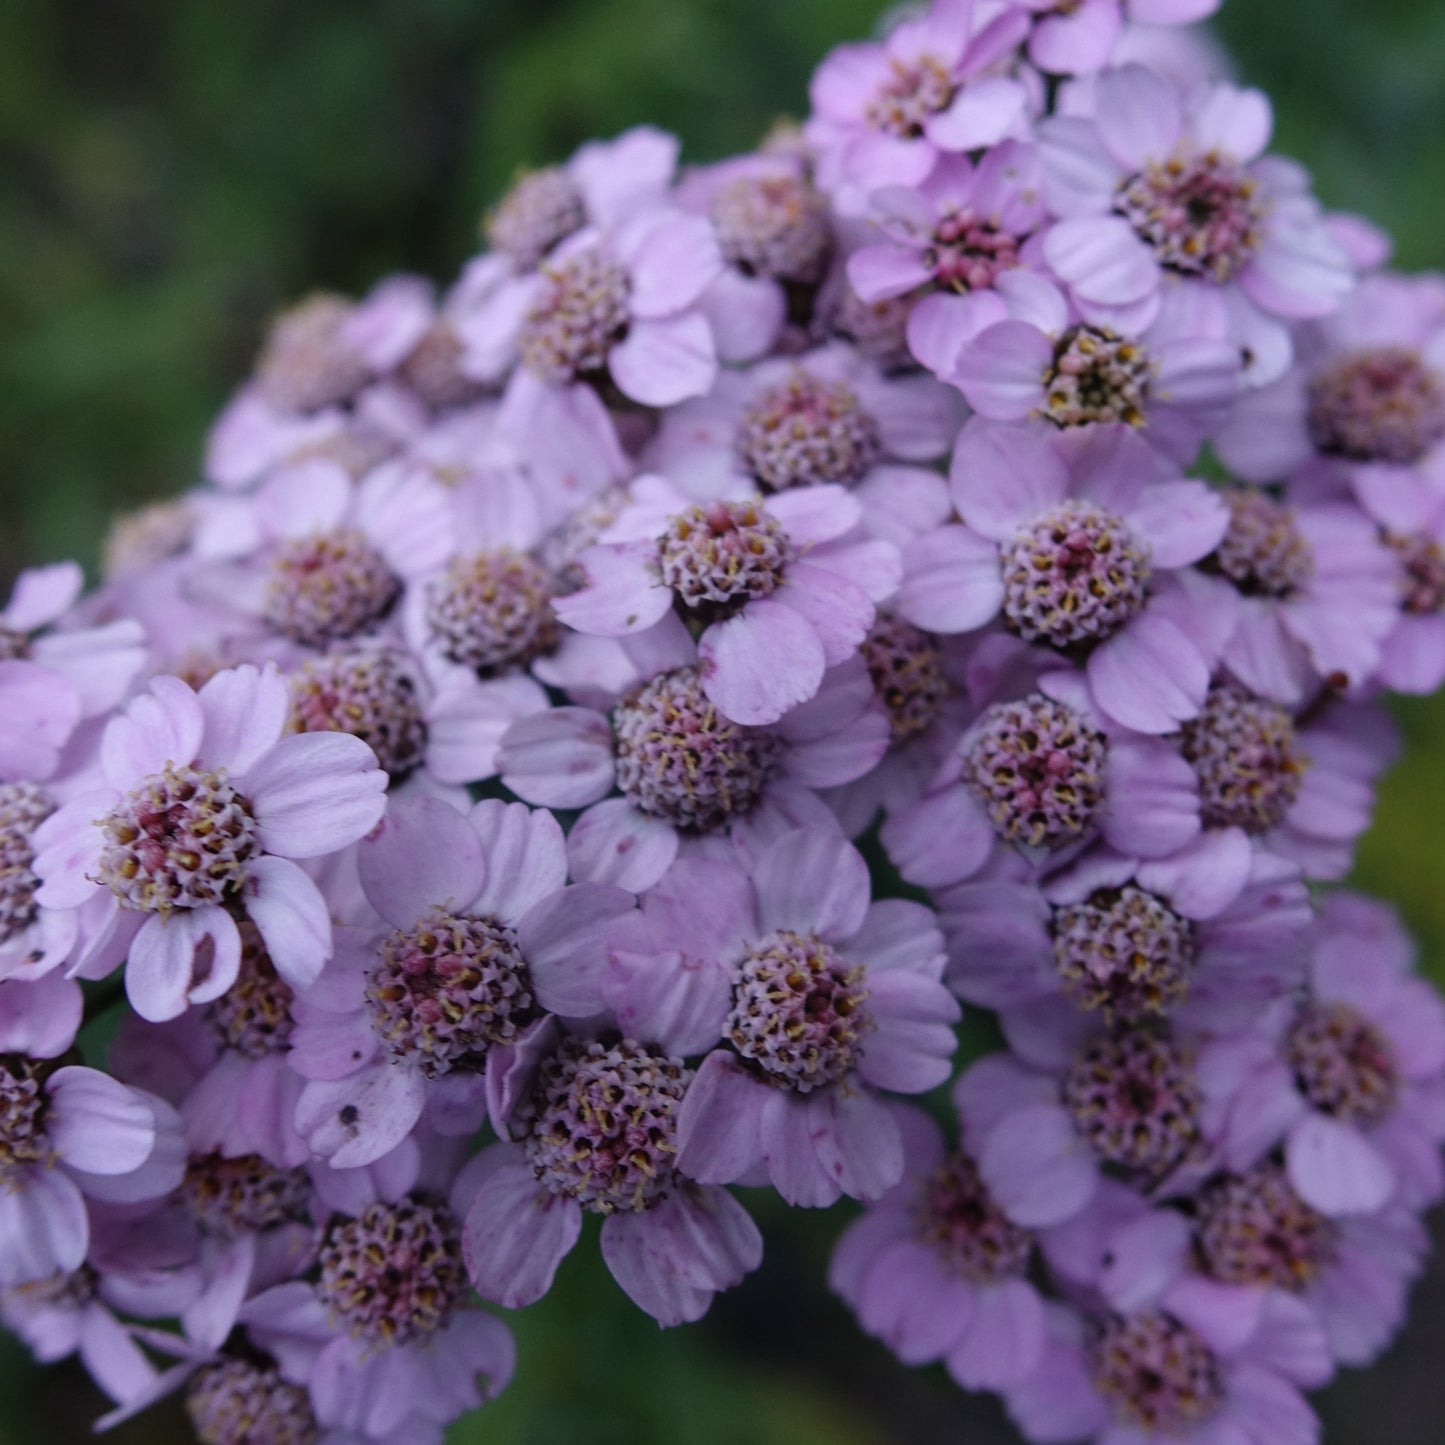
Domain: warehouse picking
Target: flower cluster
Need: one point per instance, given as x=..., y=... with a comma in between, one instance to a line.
x=468, y=784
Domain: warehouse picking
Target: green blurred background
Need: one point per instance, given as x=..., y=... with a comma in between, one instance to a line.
x=176, y=171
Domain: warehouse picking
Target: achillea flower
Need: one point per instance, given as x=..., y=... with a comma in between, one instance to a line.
x=67, y=1133
x=1161, y=191
x=884, y=114
x=1347, y=1080
x=686, y=773
x=203, y=806
x=1080, y=544
x=1074, y=37
x=818, y=999
x=780, y=589
x=936, y=1270
x=484, y=937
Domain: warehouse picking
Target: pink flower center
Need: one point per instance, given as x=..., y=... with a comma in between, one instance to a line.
x=879, y=329
x=539, y=211
x=22, y=1116
x=1379, y=404
x=230, y=1196
x=236, y=1402
x=678, y=758
x=603, y=1127
x=968, y=253
x=1075, y=574
x=253, y=1016
x=1124, y=951
x=1133, y=1097
x=774, y=225
x=442, y=993
x=807, y=430
x=907, y=672
x=181, y=840
x=1264, y=553
x=1342, y=1063
x=1255, y=1230
x=717, y=557
x=1246, y=755
x=394, y=1274
x=493, y=609
x=799, y=1011
x=580, y=314
x=1199, y=211
x=23, y=808
x=328, y=586
x=1037, y=767
x=1422, y=563
x=368, y=692
x=433, y=369
x=1158, y=1374
x=957, y=1216
x=1096, y=377
x=909, y=96
x=306, y=363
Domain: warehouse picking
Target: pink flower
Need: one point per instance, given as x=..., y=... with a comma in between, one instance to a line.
x=688, y=777
x=599, y=1135
x=484, y=938
x=936, y=1270
x=948, y=242
x=1163, y=1354
x=1160, y=187
x=821, y=998
x=883, y=114
x=70, y=1133
x=1171, y=382
x=620, y=300
x=1080, y=541
x=203, y=807
x=1073, y=37
x=1348, y=1079
x=792, y=586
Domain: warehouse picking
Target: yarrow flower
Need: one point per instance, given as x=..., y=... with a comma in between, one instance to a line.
x=598, y=723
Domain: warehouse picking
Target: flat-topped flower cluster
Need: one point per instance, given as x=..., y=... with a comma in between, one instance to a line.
x=592, y=731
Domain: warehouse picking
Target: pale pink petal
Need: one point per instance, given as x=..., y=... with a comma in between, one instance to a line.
x=614, y=842
x=1003, y=476
x=355, y=1121
x=314, y=793
x=1149, y=676
x=1102, y=259
x=1138, y=115
x=1037, y=1167
x=984, y=112
x=1003, y=1341
x=1334, y=1167
x=40, y=1019
x=422, y=855
x=719, y=1125
x=812, y=882
x=245, y=714
x=880, y=272
x=44, y=1230
x=291, y=913
x=42, y=595
x=836, y=608
x=675, y=1000
x=564, y=939
x=560, y=759
x=761, y=662
x=664, y=362
x=515, y=1236
x=161, y=975
x=952, y=581
x=623, y=593
x=1001, y=372
x=96, y=1123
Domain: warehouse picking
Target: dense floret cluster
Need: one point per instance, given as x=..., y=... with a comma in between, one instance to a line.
x=592, y=731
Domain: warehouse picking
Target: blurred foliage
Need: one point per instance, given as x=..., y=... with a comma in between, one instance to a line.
x=178, y=169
